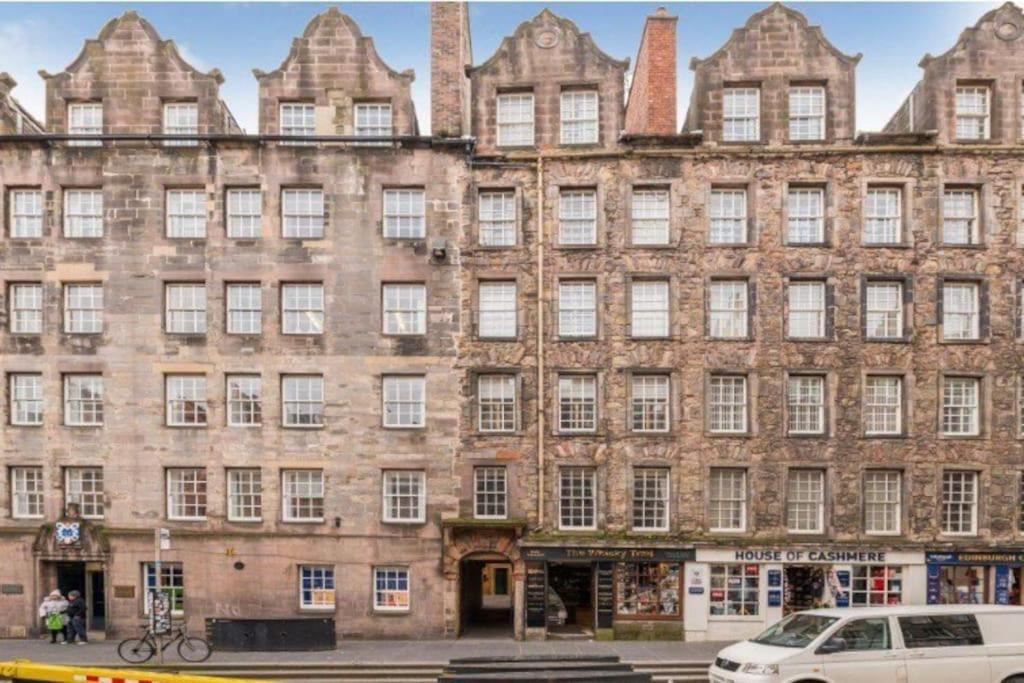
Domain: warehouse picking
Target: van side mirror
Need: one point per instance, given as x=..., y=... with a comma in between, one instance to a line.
x=832, y=645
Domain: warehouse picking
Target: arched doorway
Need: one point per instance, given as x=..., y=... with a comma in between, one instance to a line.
x=486, y=596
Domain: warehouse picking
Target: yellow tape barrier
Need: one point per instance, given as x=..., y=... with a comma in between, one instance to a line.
x=25, y=670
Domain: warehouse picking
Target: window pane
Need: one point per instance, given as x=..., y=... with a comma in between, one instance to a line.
x=806, y=216
x=85, y=118
x=245, y=395
x=405, y=309
x=302, y=495
x=302, y=398
x=961, y=318
x=245, y=308
x=83, y=486
x=650, y=314
x=883, y=216
x=490, y=493
x=245, y=212
x=404, y=401
x=497, y=216
x=577, y=308
x=806, y=310
x=741, y=119
x=806, y=404
x=577, y=403
x=651, y=498
x=959, y=502
x=186, y=214
x=186, y=400
x=576, y=498
x=650, y=403
x=882, y=501
x=26, y=213
x=727, y=309
x=728, y=500
x=186, y=493
x=883, y=405
x=404, y=214
x=960, y=406
x=579, y=117
x=83, y=400
x=497, y=408
x=728, y=404
x=302, y=308
x=515, y=120
x=807, y=113
x=960, y=217
x=650, y=215
x=577, y=215
x=181, y=118
x=26, y=308
x=728, y=217
x=404, y=496
x=805, y=501
x=83, y=213
x=302, y=214
x=498, y=312
x=186, y=308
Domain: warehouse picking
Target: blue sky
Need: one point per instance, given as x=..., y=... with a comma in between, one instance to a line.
x=237, y=37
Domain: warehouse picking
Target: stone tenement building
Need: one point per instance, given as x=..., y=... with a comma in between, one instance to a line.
x=556, y=368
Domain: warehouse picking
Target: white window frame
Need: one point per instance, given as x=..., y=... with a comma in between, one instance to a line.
x=304, y=491
x=498, y=309
x=748, y=607
x=805, y=501
x=321, y=582
x=807, y=107
x=577, y=498
x=650, y=305
x=651, y=498
x=883, y=394
x=298, y=119
x=244, y=399
x=577, y=393
x=85, y=118
x=25, y=307
x=728, y=311
x=181, y=483
x=807, y=309
x=497, y=403
x=805, y=405
x=404, y=496
x=650, y=216
x=404, y=308
x=723, y=409
x=186, y=214
x=26, y=392
x=181, y=118
x=302, y=401
x=172, y=580
x=372, y=119
x=244, y=209
x=83, y=213
x=244, y=302
x=28, y=492
x=883, y=500
x=302, y=213
x=961, y=406
x=183, y=391
x=404, y=399
x=185, y=308
x=83, y=486
x=514, y=119
x=580, y=117
x=577, y=217
x=962, y=322
x=741, y=114
x=405, y=213
x=245, y=494
x=393, y=577
x=961, y=218
x=864, y=585
x=883, y=309
x=302, y=308
x=650, y=403
x=83, y=308
x=956, y=502
x=805, y=215
x=26, y=209
x=577, y=308
x=728, y=223
x=727, y=494
x=490, y=492
x=973, y=122
x=80, y=411
x=497, y=218
x=883, y=215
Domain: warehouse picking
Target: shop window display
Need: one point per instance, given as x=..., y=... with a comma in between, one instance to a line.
x=648, y=589
x=735, y=590
x=962, y=585
x=877, y=585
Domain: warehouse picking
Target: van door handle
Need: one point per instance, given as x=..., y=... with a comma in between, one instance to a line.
x=914, y=655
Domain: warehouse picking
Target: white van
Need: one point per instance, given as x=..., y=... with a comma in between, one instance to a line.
x=906, y=644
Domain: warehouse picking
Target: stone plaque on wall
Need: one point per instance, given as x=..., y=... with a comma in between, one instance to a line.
x=124, y=591
x=11, y=589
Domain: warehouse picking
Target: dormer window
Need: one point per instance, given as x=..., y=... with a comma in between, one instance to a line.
x=373, y=119
x=579, y=117
x=298, y=118
x=741, y=115
x=972, y=112
x=181, y=118
x=85, y=118
x=806, y=113
x=515, y=119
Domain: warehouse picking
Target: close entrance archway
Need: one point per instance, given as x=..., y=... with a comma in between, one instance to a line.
x=486, y=596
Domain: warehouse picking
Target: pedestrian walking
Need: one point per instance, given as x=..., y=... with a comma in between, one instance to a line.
x=53, y=613
x=76, y=618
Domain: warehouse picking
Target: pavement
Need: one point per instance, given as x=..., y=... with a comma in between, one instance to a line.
x=101, y=653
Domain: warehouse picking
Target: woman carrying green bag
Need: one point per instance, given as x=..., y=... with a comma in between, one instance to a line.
x=53, y=616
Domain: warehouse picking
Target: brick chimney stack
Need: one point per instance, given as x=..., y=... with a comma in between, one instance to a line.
x=651, y=108
x=450, y=53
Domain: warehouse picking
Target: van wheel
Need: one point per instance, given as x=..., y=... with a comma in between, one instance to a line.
x=1014, y=679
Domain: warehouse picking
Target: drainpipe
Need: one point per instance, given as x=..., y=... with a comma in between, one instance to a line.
x=540, y=342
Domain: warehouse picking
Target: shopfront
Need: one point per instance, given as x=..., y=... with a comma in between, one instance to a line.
x=621, y=593
x=734, y=593
x=982, y=577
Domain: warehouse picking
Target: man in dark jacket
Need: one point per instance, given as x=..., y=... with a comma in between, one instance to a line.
x=76, y=617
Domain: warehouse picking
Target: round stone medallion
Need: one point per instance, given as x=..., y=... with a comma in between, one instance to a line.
x=1008, y=30
x=547, y=37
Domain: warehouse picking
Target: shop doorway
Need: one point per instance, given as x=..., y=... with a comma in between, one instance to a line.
x=486, y=599
x=804, y=587
x=88, y=579
x=963, y=585
x=570, y=597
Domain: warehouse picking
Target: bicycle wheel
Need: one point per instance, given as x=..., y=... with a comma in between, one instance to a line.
x=194, y=649
x=136, y=650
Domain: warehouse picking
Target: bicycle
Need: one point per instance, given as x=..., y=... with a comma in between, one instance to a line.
x=141, y=650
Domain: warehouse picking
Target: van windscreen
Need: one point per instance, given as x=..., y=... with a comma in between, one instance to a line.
x=940, y=630
x=796, y=630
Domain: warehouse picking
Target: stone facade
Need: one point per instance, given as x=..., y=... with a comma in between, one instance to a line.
x=477, y=186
